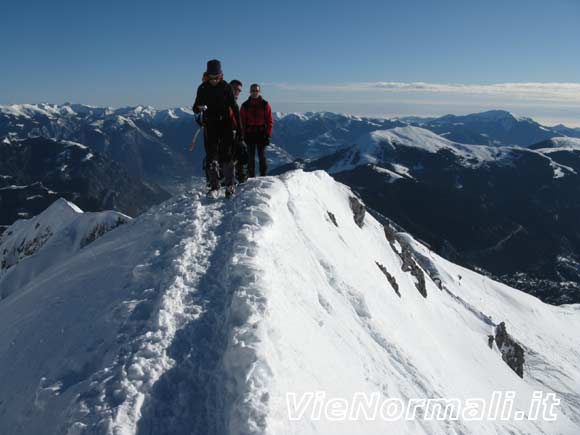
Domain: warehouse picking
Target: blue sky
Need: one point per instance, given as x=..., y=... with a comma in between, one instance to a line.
x=362, y=57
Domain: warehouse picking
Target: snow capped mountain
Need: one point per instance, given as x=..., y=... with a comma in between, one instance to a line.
x=494, y=127
x=30, y=246
x=381, y=145
x=314, y=134
x=147, y=142
x=134, y=137
x=151, y=143
x=206, y=317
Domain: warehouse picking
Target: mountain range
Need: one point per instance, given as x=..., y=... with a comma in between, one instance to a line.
x=149, y=144
x=493, y=191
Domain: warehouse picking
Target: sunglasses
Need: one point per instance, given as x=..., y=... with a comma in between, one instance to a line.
x=237, y=89
x=213, y=78
x=254, y=90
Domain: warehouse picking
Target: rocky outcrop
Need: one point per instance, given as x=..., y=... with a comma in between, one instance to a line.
x=358, y=211
x=103, y=228
x=332, y=218
x=408, y=258
x=410, y=265
x=511, y=351
x=390, y=278
x=426, y=263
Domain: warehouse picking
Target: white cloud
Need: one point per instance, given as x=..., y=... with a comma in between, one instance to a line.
x=566, y=93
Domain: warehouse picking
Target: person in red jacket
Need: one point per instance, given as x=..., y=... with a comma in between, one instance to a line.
x=256, y=115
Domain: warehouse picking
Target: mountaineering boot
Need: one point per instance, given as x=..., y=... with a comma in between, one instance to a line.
x=230, y=190
x=213, y=194
x=214, y=175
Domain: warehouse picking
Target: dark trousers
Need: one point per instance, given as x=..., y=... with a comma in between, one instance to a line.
x=252, y=159
x=219, y=147
x=241, y=171
x=256, y=142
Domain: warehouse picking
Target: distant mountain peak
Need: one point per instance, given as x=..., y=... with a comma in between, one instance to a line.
x=493, y=114
x=490, y=115
x=61, y=205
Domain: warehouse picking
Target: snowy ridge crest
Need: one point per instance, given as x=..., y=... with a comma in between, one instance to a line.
x=203, y=315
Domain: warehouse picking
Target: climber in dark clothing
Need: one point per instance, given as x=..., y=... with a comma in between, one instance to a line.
x=220, y=108
x=241, y=153
x=257, y=121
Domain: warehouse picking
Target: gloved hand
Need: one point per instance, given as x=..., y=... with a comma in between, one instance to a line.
x=267, y=140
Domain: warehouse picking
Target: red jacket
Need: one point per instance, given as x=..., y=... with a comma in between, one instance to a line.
x=256, y=115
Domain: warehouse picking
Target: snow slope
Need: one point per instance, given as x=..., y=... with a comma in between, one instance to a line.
x=200, y=316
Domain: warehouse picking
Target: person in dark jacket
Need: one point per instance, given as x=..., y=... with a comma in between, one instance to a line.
x=241, y=155
x=256, y=115
x=215, y=98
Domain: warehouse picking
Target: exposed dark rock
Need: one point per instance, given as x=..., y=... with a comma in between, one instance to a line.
x=425, y=263
x=410, y=265
x=332, y=219
x=358, y=211
x=408, y=262
x=99, y=230
x=511, y=351
x=390, y=234
x=390, y=278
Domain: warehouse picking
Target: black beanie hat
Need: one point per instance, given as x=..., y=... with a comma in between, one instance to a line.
x=214, y=67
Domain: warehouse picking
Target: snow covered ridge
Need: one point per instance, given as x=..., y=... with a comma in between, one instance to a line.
x=203, y=317
x=377, y=146
x=559, y=144
x=30, y=246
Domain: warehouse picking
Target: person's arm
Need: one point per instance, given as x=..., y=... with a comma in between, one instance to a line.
x=236, y=110
x=269, y=120
x=243, y=116
x=199, y=100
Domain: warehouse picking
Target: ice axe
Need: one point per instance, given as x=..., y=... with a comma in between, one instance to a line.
x=199, y=120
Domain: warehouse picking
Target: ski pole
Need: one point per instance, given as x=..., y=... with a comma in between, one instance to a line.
x=200, y=121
